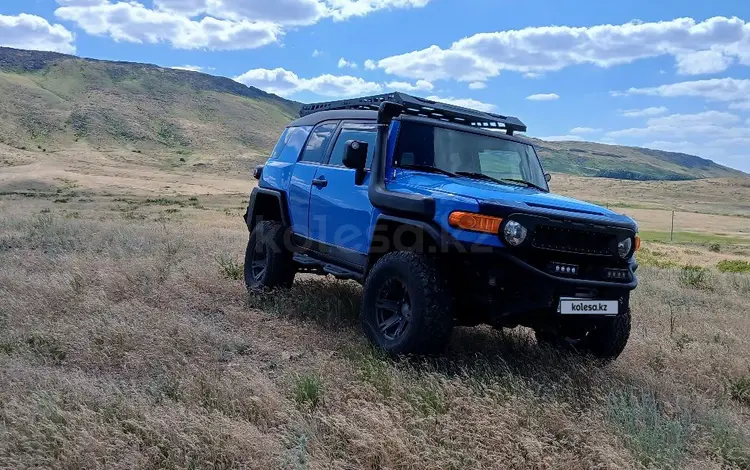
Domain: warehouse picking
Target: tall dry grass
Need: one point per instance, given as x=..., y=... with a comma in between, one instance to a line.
x=128, y=343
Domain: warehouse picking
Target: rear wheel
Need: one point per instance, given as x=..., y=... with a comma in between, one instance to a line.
x=268, y=261
x=604, y=338
x=406, y=306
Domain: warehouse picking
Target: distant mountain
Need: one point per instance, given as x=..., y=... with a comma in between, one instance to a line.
x=632, y=163
x=51, y=102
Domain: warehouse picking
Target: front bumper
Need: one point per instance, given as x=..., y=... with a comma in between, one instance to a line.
x=630, y=284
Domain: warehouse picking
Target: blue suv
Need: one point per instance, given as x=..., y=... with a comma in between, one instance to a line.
x=446, y=218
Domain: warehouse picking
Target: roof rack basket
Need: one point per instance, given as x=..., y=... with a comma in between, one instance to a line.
x=425, y=108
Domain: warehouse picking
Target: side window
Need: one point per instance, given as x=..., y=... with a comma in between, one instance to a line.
x=317, y=144
x=280, y=144
x=363, y=133
x=291, y=142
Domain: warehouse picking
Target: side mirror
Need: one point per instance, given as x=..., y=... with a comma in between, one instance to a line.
x=355, y=157
x=547, y=177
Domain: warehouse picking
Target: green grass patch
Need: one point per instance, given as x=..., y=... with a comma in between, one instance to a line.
x=308, y=391
x=695, y=277
x=734, y=266
x=657, y=439
x=739, y=389
x=727, y=444
x=655, y=258
x=692, y=237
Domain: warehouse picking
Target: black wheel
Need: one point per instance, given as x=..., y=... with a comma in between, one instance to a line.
x=406, y=306
x=604, y=338
x=268, y=261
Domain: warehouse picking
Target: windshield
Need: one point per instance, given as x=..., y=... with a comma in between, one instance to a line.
x=467, y=154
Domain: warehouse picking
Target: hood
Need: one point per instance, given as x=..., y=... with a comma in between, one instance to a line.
x=522, y=198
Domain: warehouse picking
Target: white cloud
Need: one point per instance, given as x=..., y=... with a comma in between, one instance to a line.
x=287, y=12
x=192, y=68
x=477, y=85
x=584, y=130
x=562, y=138
x=703, y=62
x=316, y=53
x=420, y=85
x=344, y=9
x=543, y=97
x=466, y=103
x=34, y=32
x=551, y=48
x=286, y=83
x=645, y=112
x=713, y=123
x=211, y=24
x=133, y=22
x=730, y=90
x=718, y=135
x=370, y=64
x=343, y=63
x=532, y=75
x=717, y=89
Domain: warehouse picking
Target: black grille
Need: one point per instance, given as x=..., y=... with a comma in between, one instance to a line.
x=572, y=240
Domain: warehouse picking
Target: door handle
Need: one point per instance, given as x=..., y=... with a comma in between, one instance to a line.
x=321, y=182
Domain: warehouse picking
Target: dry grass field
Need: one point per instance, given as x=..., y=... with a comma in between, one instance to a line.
x=127, y=341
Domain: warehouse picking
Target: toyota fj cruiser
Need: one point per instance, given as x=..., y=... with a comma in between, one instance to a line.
x=446, y=218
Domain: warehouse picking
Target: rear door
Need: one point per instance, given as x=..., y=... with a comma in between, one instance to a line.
x=340, y=211
x=303, y=174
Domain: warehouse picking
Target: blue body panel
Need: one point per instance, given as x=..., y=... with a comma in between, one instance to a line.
x=341, y=213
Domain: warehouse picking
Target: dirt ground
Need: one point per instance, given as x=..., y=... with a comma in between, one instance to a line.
x=127, y=340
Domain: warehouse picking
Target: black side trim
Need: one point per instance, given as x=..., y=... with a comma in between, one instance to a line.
x=253, y=206
x=337, y=256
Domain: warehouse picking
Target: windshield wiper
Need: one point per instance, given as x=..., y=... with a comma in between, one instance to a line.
x=481, y=176
x=527, y=183
x=432, y=169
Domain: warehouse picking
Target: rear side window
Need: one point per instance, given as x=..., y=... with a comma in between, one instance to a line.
x=317, y=144
x=361, y=132
x=291, y=142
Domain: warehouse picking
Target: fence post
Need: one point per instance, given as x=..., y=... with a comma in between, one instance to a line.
x=671, y=233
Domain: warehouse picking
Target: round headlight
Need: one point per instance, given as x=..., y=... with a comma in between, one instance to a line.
x=624, y=247
x=515, y=233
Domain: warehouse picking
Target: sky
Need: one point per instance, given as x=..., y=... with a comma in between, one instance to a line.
x=666, y=74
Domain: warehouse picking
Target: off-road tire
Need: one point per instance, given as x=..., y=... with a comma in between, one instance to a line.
x=606, y=341
x=279, y=266
x=431, y=319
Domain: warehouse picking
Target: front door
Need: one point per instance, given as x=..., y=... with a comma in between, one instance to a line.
x=303, y=175
x=340, y=211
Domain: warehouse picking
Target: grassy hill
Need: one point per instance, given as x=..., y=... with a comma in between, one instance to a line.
x=51, y=102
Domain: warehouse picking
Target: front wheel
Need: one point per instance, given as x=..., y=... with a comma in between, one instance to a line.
x=268, y=261
x=406, y=306
x=604, y=338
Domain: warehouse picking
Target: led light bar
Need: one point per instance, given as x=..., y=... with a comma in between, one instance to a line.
x=616, y=274
x=563, y=269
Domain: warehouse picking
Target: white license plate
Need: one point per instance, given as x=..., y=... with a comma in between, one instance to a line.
x=575, y=306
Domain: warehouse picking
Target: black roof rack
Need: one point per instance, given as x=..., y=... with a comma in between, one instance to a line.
x=423, y=107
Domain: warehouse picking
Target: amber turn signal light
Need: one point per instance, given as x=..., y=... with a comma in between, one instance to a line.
x=637, y=243
x=475, y=222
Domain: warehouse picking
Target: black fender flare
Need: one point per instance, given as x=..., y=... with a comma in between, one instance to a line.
x=441, y=239
x=258, y=204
